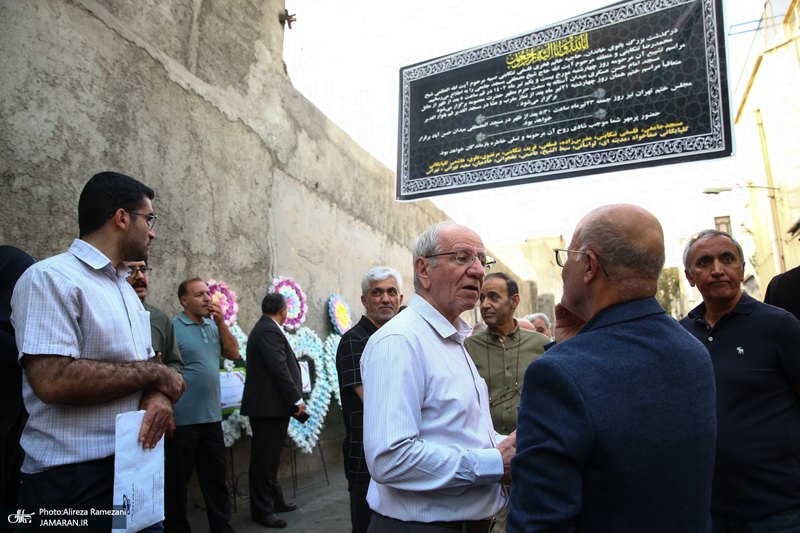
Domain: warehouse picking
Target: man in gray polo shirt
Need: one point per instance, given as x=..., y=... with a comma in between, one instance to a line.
x=202, y=338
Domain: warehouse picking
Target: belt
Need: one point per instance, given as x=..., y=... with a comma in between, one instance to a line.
x=475, y=526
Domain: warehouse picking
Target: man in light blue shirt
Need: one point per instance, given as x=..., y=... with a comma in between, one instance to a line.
x=197, y=441
x=84, y=345
x=436, y=462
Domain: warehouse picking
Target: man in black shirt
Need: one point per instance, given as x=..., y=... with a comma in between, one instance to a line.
x=381, y=295
x=756, y=358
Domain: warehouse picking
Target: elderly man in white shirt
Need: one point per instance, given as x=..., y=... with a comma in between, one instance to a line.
x=437, y=464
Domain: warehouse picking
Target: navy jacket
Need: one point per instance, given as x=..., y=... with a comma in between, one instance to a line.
x=616, y=429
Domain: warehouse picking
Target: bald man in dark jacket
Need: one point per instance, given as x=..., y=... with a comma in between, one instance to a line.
x=272, y=394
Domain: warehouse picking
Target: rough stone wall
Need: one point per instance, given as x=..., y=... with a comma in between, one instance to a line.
x=192, y=98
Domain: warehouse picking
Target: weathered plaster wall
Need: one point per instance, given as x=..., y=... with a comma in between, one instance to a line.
x=192, y=98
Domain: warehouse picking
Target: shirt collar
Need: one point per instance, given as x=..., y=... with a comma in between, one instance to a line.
x=189, y=322
x=438, y=322
x=514, y=335
x=744, y=306
x=96, y=259
x=367, y=325
x=624, y=312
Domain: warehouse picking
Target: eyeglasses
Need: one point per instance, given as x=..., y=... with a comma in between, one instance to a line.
x=151, y=218
x=562, y=254
x=144, y=271
x=464, y=257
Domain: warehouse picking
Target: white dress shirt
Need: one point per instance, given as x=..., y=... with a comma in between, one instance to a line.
x=428, y=437
x=76, y=305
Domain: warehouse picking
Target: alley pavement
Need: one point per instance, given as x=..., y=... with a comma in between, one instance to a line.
x=320, y=508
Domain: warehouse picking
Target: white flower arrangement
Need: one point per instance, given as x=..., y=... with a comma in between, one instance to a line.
x=331, y=345
x=233, y=426
x=306, y=343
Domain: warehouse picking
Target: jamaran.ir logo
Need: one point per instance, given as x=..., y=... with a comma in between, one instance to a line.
x=20, y=518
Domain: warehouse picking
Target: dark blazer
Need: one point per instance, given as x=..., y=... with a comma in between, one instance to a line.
x=616, y=429
x=784, y=291
x=273, y=383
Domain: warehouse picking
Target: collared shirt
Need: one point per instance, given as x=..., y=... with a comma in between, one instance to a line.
x=348, y=367
x=162, y=334
x=201, y=350
x=76, y=305
x=428, y=436
x=755, y=350
x=501, y=361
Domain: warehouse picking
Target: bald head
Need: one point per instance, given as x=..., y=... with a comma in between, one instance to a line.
x=630, y=242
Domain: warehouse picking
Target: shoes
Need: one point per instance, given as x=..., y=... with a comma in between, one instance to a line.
x=285, y=507
x=270, y=521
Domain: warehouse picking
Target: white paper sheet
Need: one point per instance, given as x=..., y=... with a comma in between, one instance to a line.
x=231, y=385
x=138, y=474
x=305, y=376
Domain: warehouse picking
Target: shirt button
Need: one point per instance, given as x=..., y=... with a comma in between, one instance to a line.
x=711, y=338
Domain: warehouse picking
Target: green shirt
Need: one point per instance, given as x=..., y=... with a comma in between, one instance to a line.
x=501, y=362
x=162, y=337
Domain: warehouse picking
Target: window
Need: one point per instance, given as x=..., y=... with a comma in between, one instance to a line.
x=723, y=224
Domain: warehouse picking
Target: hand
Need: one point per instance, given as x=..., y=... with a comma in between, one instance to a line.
x=216, y=313
x=508, y=449
x=568, y=324
x=170, y=383
x=157, y=418
x=301, y=409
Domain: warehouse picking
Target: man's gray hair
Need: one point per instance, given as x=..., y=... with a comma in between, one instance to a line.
x=534, y=316
x=380, y=273
x=620, y=255
x=702, y=235
x=428, y=244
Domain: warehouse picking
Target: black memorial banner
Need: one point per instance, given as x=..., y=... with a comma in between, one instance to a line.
x=639, y=83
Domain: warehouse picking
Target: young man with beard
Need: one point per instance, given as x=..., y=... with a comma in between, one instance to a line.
x=82, y=336
x=381, y=295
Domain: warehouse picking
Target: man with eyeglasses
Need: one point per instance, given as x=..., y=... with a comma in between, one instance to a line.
x=436, y=462
x=501, y=354
x=84, y=345
x=162, y=332
x=616, y=424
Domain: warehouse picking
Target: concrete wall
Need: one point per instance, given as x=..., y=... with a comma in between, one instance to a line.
x=535, y=261
x=771, y=88
x=192, y=98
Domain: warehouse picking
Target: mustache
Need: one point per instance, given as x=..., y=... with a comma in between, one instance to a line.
x=139, y=284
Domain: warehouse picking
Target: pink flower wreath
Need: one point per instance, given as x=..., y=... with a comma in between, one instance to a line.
x=224, y=296
x=295, y=301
